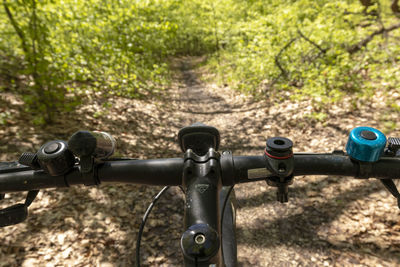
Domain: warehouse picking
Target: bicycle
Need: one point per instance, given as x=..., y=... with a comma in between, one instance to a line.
x=206, y=176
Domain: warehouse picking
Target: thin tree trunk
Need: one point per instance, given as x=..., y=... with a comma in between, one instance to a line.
x=16, y=27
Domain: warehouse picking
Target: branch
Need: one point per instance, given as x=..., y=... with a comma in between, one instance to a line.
x=16, y=27
x=278, y=64
x=395, y=7
x=357, y=47
x=311, y=42
x=366, y=3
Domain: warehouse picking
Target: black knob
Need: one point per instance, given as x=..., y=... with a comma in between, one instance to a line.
x=52, y=148
x=55, y=158
x=279, y=147
x=200, y=241
x=368, y=135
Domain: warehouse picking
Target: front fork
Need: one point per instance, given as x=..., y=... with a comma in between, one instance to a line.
x=201, y=241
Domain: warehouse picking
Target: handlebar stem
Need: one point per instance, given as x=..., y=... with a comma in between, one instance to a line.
x=202, y=182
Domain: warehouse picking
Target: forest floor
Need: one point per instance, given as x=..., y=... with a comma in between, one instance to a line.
x=328, y=221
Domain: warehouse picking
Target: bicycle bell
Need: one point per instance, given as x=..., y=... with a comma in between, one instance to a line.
x=55, y=158
x=366, y=144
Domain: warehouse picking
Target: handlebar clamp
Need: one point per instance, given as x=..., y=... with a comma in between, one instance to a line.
x=280, y=162
x=88, y=171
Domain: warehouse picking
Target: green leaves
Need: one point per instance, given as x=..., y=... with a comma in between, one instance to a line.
x=116, y=47
x=122, y=47
x=302, y=46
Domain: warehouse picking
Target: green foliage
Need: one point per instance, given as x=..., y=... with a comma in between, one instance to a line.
x=264, y=48
x=318, y=116
x=304, y=46
x=116, y=47
x=74, y=47
x=44, y=89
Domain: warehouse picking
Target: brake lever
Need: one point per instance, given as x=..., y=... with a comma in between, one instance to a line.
x=392, y=150
x=17, y=213
x=391, y=187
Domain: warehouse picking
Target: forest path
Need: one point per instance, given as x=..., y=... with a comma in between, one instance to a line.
x=328, y=221
x=234, y=115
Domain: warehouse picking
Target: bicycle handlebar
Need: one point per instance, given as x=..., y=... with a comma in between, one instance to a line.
x=169, y=171
x=202, y=173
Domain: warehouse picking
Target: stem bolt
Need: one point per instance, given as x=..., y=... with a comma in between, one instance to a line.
x=200, y=239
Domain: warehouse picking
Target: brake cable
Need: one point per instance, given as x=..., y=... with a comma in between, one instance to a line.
x=222, y=217
x=141, y=228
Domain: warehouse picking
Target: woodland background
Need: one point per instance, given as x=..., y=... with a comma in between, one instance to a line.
x=53, y=52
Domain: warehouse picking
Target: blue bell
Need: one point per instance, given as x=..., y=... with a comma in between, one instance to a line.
x=366, y=144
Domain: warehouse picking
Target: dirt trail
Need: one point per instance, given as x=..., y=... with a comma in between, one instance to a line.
x=329, y=221
x=234, y=115
x=201, y=102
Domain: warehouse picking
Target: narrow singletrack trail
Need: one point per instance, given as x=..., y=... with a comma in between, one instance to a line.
x=234, y=115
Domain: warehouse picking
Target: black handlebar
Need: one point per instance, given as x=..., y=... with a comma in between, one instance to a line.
x=169, y=171
x=202, y=173
x=203, y=177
